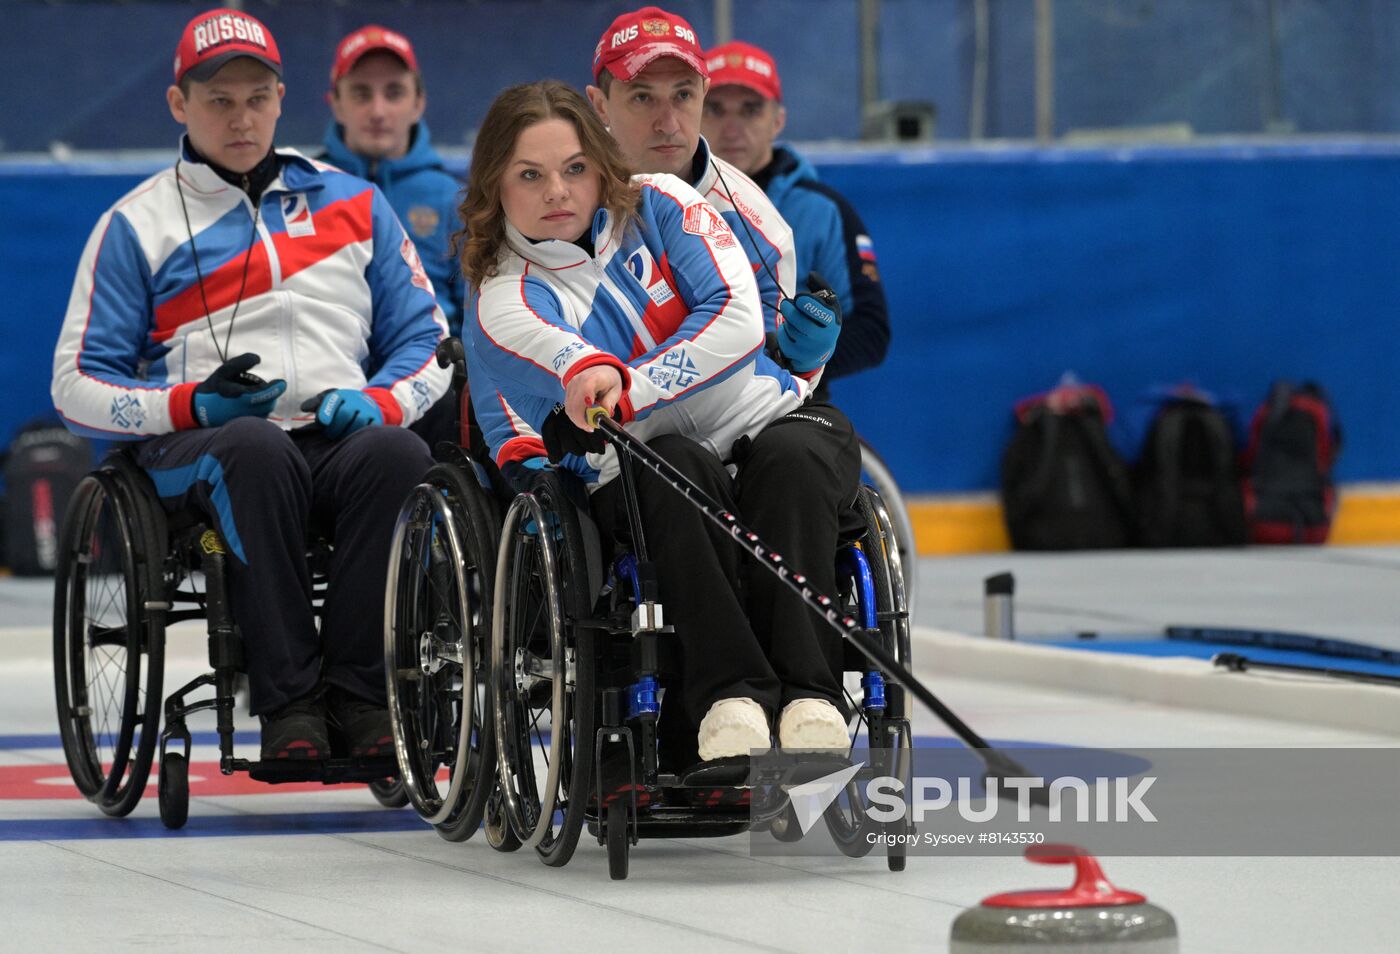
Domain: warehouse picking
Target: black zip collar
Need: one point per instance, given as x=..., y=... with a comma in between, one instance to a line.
x=253, y=182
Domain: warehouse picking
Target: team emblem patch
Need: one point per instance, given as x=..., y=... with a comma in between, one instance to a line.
x=296, y=214
x=702, y=219
x=423, y=219
x=675, y=371
x=656, y=27
x=409, y=251
x=127, y=412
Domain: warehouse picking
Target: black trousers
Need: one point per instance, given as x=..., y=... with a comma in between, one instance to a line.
x=262, y=487
x=739, y=630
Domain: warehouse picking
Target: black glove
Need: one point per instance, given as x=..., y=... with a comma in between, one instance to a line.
x=561, y=436
x=232, y=391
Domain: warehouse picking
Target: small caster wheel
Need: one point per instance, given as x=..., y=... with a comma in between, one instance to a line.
x=498, y=831
x=173, y=790
x=389, y=792
x=619, y=840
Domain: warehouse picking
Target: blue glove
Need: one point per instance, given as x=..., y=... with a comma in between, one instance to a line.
x=811, y=324
x=344, y=411
x=232, y=392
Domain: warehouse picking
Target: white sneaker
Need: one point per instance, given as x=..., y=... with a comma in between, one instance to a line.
x=810, y=724
x=733, y=727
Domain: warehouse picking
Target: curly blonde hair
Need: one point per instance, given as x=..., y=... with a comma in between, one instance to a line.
x=483, y=231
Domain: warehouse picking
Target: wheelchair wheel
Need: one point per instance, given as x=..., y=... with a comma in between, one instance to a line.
x=785, y=827
x=619, y=840
x=847, y=817
x=888, y=491
x=109, y=641
x=499, y=834
x=173, y=790
x=437, y=626
x=542, y=671
x=389, y=792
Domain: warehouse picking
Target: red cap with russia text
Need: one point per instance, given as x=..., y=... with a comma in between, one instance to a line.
x=635, y=39
x=371, y=39
x=212, y=39
x=743, y=64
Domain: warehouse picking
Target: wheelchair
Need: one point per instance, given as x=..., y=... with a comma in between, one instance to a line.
x=126, y=572
x=875, y=472
x=524, y=663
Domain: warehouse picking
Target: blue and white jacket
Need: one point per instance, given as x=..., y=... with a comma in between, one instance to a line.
x=672, y=304
x=765, y=235
x=832, y=240
x=333, y=295
x=425, y=196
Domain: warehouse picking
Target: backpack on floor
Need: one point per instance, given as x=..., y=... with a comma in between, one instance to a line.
x=1186, y=483
x=1293, y=444
x=43, y=466
x=1063, y=486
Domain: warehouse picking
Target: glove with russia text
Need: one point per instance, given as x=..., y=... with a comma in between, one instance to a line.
x=810, y=326
x=231, y=391
x=343, y=411
x=562, y=436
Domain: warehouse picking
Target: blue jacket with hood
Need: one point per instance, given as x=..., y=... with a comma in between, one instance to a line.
x=425, y=198
x=831, y=239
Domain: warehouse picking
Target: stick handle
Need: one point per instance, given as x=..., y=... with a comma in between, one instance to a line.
x=847, y=626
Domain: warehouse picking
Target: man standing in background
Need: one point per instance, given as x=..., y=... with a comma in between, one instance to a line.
x=377, y=132
x=743, y=116
x=377, y=100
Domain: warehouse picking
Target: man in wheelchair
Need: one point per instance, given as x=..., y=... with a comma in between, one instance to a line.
x=240, y=256
x=633, y=294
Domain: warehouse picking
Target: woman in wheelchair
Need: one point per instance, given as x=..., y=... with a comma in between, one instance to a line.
x=633, y=294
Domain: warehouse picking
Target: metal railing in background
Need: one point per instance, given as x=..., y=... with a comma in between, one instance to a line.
x=885, y=70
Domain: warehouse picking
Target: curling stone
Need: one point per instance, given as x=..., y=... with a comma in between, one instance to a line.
x=1089, y=917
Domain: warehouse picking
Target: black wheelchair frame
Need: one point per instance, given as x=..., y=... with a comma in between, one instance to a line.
x=109, y=659
x=569, y=679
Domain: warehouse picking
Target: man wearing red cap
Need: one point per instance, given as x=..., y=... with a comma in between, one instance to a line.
x=377, y=100
x=240, y=256
x=743, y=116
x=651, y=80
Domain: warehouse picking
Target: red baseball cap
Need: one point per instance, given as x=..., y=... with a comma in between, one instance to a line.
x=743, y=64
x=212, y=39
x=636, y=39
x=371, y=39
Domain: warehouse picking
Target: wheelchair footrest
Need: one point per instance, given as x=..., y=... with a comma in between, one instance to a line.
x=777, y=768
x=719, y=773
x=326, y=771
x=668, y=821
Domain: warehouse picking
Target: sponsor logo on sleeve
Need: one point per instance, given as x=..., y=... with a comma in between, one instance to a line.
x=409, y=251
x=422, y=396
x=566, y=354
x=701, y=219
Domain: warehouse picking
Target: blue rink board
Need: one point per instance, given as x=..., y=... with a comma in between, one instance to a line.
x=1226, y=264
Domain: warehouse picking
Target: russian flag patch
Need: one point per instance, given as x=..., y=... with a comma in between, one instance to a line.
x=865, y=248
